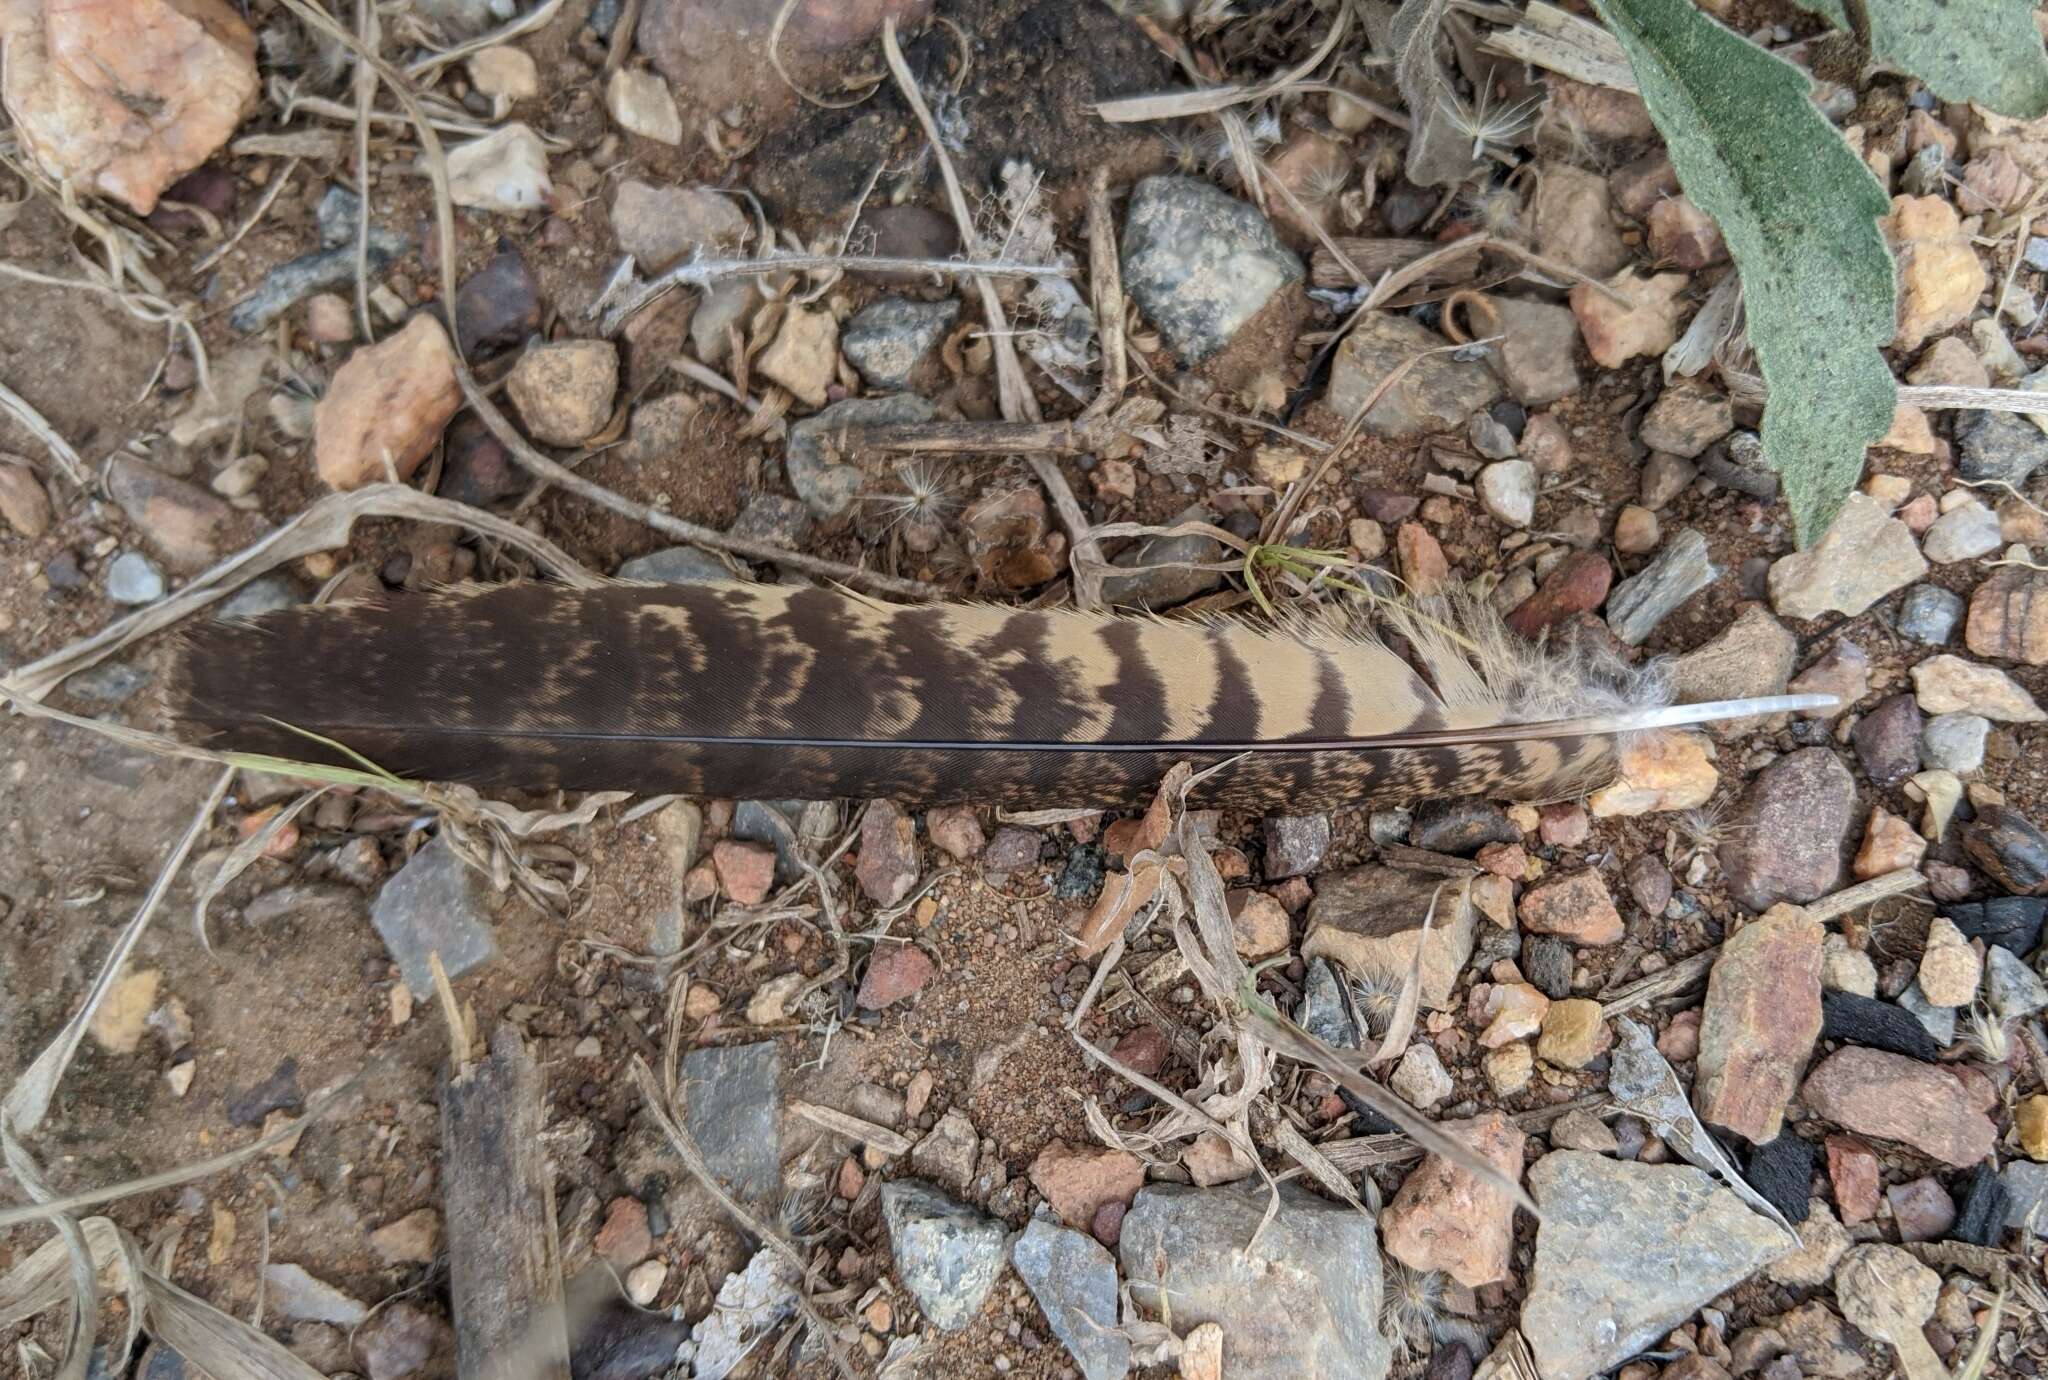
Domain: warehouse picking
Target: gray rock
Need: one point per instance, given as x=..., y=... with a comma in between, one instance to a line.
x=132, y=578
x=821, y=479
x=1547, y=962
x=1687, y=418
x=1163, y=588
x=1537, y=357
x=1887, y=739
x=1963, y=533
x=947, y=1254
x=735, y=1114
x=1639, y=603
x=2037, y=254
x=1786, y=843
x=1753, y=656
x=1937, y=1021
x=1999, y=445
x=2015, y=991
x=1954, y=741
x=1295, y=844
x=1303, y=1305
x=773, y=518
x=323, y=270
x=110, y=682
x=677, y=565
x=1322, y=1012
x=1507, y=489
x=1866, y=554
x=399, y=1341
x=661, y=226
x=268, y=594
x=1200, y=263
x=725, y=305
x=947, y=1152
x=1073, y=1277
x=334, y=218
x=1389, y=826
x=434, y=904
x=296, y=1296
x=1490, y=438
x=1437, y=393
x=2026, y=1187
x=1626, y=1252
x=890, y=338
x=1664, y=478
x=1929, y=614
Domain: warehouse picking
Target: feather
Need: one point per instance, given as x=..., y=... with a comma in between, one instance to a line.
x=767, y=691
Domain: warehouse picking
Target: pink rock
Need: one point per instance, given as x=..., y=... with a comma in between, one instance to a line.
x=745, y=870
x=1761, y=1017
x=389, y=402
x=1616, y=334
x=955, y=830
x=1575, y=907
x=1682, y=234
x=1922, y=1208
x=1853, y=1170
x=1144, y=1050
x=1108, y=1224
x=1680, y=1041
x=887, y=869
x=1564, y=825
x=1504, y=860
x=1579, y=584
x=624, y=1239
x=1080, y=1180
x=1445, y=1218
x=896, y=971
x=1891, y=1096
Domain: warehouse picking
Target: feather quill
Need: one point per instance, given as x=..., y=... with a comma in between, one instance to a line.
x=740, y=690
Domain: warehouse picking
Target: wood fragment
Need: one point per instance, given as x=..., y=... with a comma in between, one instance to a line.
x=852, y=1127
x=1376, y=256
x=505, y=1272
x=1077, y=437
x=1561, y=42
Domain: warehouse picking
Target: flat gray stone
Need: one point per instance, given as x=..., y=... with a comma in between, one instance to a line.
x=2026, y=1187
x=1866, y=554
x=1998, y=445
x=1322, y=1012
x=133, y=579
x=735, y=1114
x=1073, y=1277
x=1304, y=1305
x=296, y=1296
x=1626, y=1252
x=1929, y=614
x=947, y=1254
x=2016, y=992
x=1437, y=393
x=677, y=565
x=434, y=904
x=268, y=594
x=888, y=339
x=1169, y=582
x=1954, y=742
x=1642, y=601
x=826, y=483
x=1938, y=1021
x=1200, y=263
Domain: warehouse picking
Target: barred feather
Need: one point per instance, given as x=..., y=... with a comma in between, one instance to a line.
x=776, y=692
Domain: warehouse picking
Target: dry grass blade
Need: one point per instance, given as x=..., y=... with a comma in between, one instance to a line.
x=68, y=459
x=1315, y=1163
x=216, y=1343
x=28, y=1101
x=1562, y=42
x=852, y=1127
x=1402, y=1024
x=323, y=527
x=534, y=20
x=367, y=34
x=1174, y=105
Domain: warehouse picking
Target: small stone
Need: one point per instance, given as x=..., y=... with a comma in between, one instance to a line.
x=1865, y=555
x=1575, y=907
x=1436, y=392
x=330, y=319
x=1636, y=530
x=1460, y=826
x=1259, y=923
x=1947, y=684
x=1661, y=769
x=1616, y=334
x=1844, y=673
x=955, y=831
x=1211, y=1160
x=1954, y=742
x=1889, y=844
x=1682, y=234
x=1575, y=1033
x=1078, y=1180
x=642, y=104
x=1680, y=1042
x=1687, y=418
x=1853, y=1171
x=660, y=226
x=506, y=170
x=804, y=356
x=1295, y=844
x=1929, y=614
x=179, y=521
x=1790, y=828
x=1753, y=656
x=746, y=871
x=1887, y=740
x=1513, y=1011
x=1563, y=825
x=2013, y=989
x=1164, y=586
x=676, y=565
x=1370, y=920
x=1507, y=489
x=1994, y=446
x=1579, y=1129
x=888, y=867
x=1420, y=1077
x=1509, y=1069
x=296, y=1296
x=123, y=1014
x=1860, y=1020
x=1578, y=584
x=897, y=972
x=1762, y=1015
x=1950, y=362
x=1962, y=534
x=1922, y=1209
x=1844, y=969
x=1444, y=1217
x=1895, y=1098
x=131, y=579
x=1200, y=263
x=1574, y=220
x=1639, y=603
x=498, y=306
x=947, y=1151
x=505, y=73
x=412, y=1240
x=564, y=390
x=1638, y=186
x=24, y=506
x=2010, y=922
x=1074, y=1282
x=1822, y=1240
x=887, y=340
x=1548, y=962
x=434, y=904
x=947, y=1254
x=1664, y=478
x=1949, y=968
x=1940, y=276
x=2030, y=1119
x=1537, y=360
x=644, y=1281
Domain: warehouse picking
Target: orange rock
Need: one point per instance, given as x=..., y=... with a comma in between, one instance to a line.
x=1445, y=1218
x=1575, y=907
x=1940, y=276
x=1757, y=1028
x=1888, y=845
x=1078, y=1180
x=1647, y=325
x=123, y=97
x=1422, y=560
x=390, y=400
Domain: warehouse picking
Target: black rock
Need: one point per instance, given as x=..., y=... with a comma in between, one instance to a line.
x=63, y=571
x=212, y=189
x=1547, y=962
x=1462, y=827
x=1782, y=1172
x=1407, y=206
x=498, y=306
x=1998, y=445
x=621, y=1342
x=279, y=1092
x=1082, y=875
x=1450, y=1362
x=480, y=471
x=1980, y=1216
x=2011, y=922
x=1887, y=740
x=2006, y=844
x=1880, y=1025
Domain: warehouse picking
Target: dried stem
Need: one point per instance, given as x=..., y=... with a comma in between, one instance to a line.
x=68, y=460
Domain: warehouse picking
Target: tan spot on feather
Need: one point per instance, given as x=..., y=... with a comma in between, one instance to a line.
x=1286, y=674
x=1074, y=645
x=1385, y=694
x=1184, y=657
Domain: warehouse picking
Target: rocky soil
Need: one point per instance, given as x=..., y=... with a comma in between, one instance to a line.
x=1757, y=1027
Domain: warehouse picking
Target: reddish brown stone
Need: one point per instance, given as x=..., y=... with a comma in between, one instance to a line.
x=745, y=870
x=1579, y=584
x=1108, y=1224
x=1891, y=1096
x=1680, y=1041
x=887, y=869
x=1422, y=560
x=1078, y=1180
x=1575, y=907
x=1564, y=825
x=1446, y=1218
x=2009, y=617
x=624, y=1239
x=1144, y=1050
x=852, y=1179
x=955, y=830
x=896, y=971
x=1761, y=1017
x=1853, y=1170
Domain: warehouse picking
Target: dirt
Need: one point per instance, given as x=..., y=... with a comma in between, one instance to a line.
x=85, y=824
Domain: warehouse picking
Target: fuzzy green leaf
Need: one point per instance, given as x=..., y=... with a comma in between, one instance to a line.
x=1987, y=51
x=1799, y=212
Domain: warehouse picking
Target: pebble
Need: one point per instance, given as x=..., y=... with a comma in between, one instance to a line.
x=2013, y=990
x=1200, y=263
x=435, y=904
x=804, y=356
x=735, y=1116
x=390, y=399
x=1940, y=276
x=1445, y=1218
x=1078, y=1180
x=1507, y=489
x=1636, y=530
x=1574, y=1034
x=1306, y=1304
x=1259, y=923
x=660, y=225
x=1938, y=1021
x=1513, y=1011
x=956, y=831
x=132, y=579
x=947, y=1254
x=504, y=72
x=498, y=306
x=1074, y=1282
x=1949, y=968
x=1664, y=478
x=1295, y=844
x=1785, y=843
x=1954, y=742
x=888, y=866
x=1369, y=919
x=896, y=973
x=1961, y=534
x=1998, y=446
x=1577, y=584
x=888, y=339
x=1865, y=555
x=830, y=487
x=1887, y=740
x=1537, y=360
x=411, y=1240
x=506, y=170
x=676, y=565
x=1822, y=1237
x=1889, y=844
x=564, y=390
x=1420, y=1077
x=1843, y=672
x=1164, y=587
x=746, y=871
x=2008, y=922
x=2008, y=617
x=1436, y=393
x=1575, y=907
x=1616, y=334
x=1980, y=1217
x=642, y=104
x=1682, y=234
x=1929, y=614
x=1757, y=1029
x=1922, y=1209
x=297, y=1296
x=1853, y=1171
x=1460, y=826
x=1642, y=601
x=179, y=521
x=1509, y=1069
x=644, y=1281
x=1874, y=1093
x=1662, y=769
x=1579, y=1129
x=2030, y=1120
x=1687, y=418
x=1012, y=849
x=1947, y=684
x=1753, y=656
x=1625, y=1253
x=947, y=1151
x=400, y=1341
x=625, y=1238
x=1548, y=962
x=2007, y=845
x=24, y=505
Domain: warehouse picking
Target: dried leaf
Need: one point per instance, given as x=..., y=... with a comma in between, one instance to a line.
x=1437, y=152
